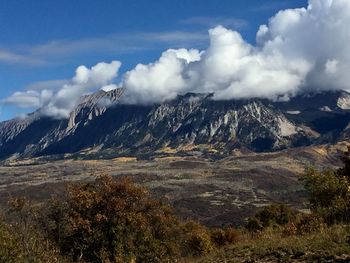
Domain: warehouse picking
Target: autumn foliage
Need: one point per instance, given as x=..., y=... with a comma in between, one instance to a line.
x=116, y=221
x=113, y=221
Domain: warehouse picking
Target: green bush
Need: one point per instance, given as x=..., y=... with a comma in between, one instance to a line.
x=329, y=195
x=271, y=216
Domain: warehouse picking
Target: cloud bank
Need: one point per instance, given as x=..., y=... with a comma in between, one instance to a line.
x=59, y=103
x=298, y=50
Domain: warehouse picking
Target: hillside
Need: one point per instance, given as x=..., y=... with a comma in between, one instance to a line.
x=216, y=192
x=101, y=127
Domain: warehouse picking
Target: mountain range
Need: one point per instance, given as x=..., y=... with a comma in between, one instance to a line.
x=101, y=126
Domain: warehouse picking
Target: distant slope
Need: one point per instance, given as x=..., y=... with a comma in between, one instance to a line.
x=101, y=122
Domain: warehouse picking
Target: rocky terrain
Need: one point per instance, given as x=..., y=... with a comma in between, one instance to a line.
x=102, y=127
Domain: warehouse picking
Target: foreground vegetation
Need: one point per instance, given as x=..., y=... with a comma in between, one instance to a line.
x=330, y=244
x=117, y=221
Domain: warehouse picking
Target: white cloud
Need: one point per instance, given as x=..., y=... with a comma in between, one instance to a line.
x=59, y=102
x=299, y=50
x=319, y=35
x=331, y=66
x=110, y=87
x=230, y=68
x=161, y=80
x=27, y=99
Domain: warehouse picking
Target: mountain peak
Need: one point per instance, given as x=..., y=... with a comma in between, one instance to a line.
x=193, y=119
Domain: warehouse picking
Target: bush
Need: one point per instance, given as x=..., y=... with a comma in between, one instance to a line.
x=254, y=225
x=271, y=216
x=113, y=221
x=9, y=251
x=329, y=192
x=197, y=239
x=345, y=170
x=329, y=195
x=308, y=224
x=304, y=224
x=21, y=239
x=222, y=237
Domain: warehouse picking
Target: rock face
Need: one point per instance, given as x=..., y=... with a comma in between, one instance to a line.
x=101, y=122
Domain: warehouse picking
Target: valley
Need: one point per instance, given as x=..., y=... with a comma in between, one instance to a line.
x=215, y=191
x=213, y=161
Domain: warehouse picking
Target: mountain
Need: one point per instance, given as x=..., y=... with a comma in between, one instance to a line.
x=102, y=126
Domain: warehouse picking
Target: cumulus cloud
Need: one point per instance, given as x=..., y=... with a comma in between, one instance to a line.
x=229, y=68
x=298, y=50
x=161, y=80
x=303, y=49
x=59, y=102
x=319, y=35
x=85, y=80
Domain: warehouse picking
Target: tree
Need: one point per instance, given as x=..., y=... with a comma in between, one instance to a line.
x=21, y=239
x=113, y=221
x=329, y=192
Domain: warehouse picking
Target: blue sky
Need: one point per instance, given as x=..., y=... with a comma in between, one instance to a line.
x=43, y=41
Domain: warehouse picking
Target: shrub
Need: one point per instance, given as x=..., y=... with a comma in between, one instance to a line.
x=197, y=239
x=329, y=195
x=9, y=251
x=329, y=192
x=304, y=224
x=270, y=216
x=21, y=239
x=222, y=237
x=116, y=221
x=254, y=225
x=345, y=170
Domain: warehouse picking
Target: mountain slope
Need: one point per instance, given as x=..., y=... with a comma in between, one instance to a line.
x=101, y=122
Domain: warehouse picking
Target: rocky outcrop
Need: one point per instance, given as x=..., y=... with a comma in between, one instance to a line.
x=100, y=121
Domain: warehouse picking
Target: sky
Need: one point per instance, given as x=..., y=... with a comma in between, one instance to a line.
x=66, y=48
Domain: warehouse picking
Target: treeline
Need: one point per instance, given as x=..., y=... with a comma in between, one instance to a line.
x=116, y=221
